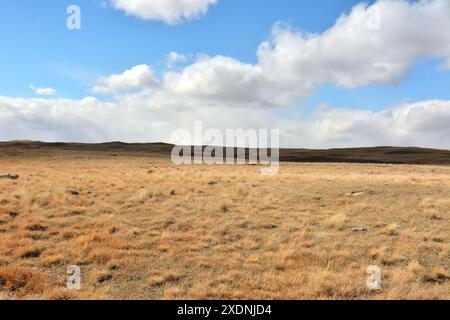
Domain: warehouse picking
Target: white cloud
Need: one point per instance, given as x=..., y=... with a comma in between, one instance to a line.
x=138, y=77
x=169, y=11
x=422, y=124
x=43, y=91
x=128, y=119
x=353, y=53
x=174, y=58
x=219, y=81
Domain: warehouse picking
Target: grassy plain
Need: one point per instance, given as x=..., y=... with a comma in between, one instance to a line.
x=142, y=228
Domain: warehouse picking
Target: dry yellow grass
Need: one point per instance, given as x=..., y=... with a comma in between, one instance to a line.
x=142, y=228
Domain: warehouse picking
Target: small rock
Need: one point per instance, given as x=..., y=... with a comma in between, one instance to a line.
x=73, y=193
x=9, y=176
x=359, y=229
x=150, y=171
x=212, y=182
x=173, y=193
x=357, y=194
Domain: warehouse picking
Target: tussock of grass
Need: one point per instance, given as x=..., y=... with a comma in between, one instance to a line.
x=391, y=230
x=24, y=281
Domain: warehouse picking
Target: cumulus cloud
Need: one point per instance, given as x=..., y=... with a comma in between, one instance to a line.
x=169, y=11
x=138, y=77
x=174, y=58
x=355, y=52
x=422, y=123
x=219, y=81
x=375, y=44
x=43, y=91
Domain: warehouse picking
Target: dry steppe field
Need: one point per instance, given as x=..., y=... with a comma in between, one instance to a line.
x=142, y=228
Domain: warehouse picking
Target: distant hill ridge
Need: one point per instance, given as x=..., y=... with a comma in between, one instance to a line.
x=376, y=155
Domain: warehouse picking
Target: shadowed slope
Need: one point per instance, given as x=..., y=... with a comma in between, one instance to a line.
x=393, y=155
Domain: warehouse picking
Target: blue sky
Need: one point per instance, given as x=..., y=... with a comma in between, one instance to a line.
x=38, y=49
x=43, y=52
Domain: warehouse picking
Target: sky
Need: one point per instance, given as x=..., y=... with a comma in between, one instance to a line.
x=325, y=73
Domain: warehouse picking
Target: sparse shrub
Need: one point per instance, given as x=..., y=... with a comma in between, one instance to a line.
x=42, y=200
x=68, y=234
x=379, y=255
x=432, y=214
x=439, y=239
x=13, y=214
x=158, y=279
x=99, y=255
x=104, y=277
x=172, y=293
x=36, y=226
x=279, y=265
x=140, y=197
x=113, y=230
x=53, y=260
x=198, y=292
x=438, y=275
x=415, y=267
x=30, y=252
x=29, y=280
x=338, y=221
x=60, y=294
x=76, y=211
x=224, y=208
x=391, y=230
x=226, y=205
x=101, y=276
